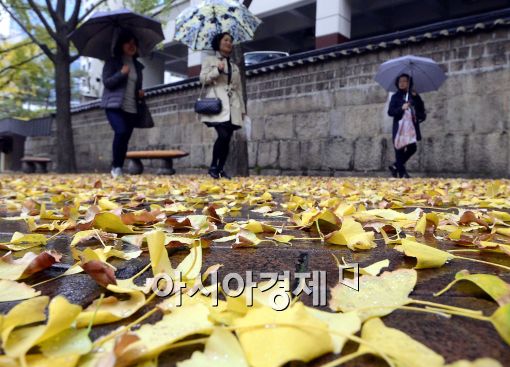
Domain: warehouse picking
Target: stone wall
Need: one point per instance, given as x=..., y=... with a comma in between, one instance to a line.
x=329, y=117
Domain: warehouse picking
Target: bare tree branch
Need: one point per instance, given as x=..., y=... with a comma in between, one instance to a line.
x=16, y=47
x=41, y=17
x=90, y=10
x=42, y=46
x=73, y=20
x=56, y=18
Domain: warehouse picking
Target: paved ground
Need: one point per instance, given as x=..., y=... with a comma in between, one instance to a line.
x=455, y=338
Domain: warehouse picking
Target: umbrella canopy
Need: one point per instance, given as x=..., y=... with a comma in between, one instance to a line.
x=426, y=73
x=98, y=35
x=196, y=26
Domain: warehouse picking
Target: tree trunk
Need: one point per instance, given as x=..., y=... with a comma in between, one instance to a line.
x=66, y=162
x=238, y=162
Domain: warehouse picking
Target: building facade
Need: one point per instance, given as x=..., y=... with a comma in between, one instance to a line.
x=293, y=26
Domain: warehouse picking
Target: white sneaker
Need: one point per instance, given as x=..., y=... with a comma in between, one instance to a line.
x=116, y=172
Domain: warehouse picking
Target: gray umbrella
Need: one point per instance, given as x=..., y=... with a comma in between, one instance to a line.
x=426, y=73
x=97, y=36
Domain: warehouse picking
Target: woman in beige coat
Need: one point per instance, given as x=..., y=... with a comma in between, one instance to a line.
x=223, y=80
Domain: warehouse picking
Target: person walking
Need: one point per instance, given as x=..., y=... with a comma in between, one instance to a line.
x=223, y=79
x=403, y=104
x=122, y=96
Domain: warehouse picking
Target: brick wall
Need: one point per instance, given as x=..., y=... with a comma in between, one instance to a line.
x=329, y=117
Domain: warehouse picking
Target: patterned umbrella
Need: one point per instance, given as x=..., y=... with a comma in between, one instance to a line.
x=196, y=26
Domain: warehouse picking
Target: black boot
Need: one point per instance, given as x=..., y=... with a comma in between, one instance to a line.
x=393, y=170
x=224, y=174
x=214, y=173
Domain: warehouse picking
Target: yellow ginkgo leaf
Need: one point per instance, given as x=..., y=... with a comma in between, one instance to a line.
x=111, y=309
x=192, y=264
x=401, y=349
x=352, y=235
x=61, y=315
x=377, y=295
x=281, y=238
x=160, y=261
x=24, y=313
x=11, y=290
x=106, y=204
x=501, y=321
x=70, y=342
x=428, y=257
x=341, y=325
x=258, y=227
x=90, y=234
x=482, y=362
x=156, y=338
x=421, y=225
x=40, y=360
x=30, y=263
x=493, y=285
x=20, y=241
x=109, y=222
x=221, y=350
x=272, y=338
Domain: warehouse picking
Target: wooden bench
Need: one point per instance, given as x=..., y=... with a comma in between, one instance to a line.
x=136, y=165
x=35, y=164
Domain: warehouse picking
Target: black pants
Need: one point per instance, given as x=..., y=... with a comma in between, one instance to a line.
x=122, y=124
x=402, y=156
x=221, y=146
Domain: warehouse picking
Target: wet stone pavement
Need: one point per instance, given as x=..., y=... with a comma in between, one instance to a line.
x=454, y=338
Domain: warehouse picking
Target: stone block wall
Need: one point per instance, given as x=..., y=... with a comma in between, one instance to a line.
x=329, y=117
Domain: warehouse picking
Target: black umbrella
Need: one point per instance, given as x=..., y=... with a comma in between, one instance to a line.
x=97, y=36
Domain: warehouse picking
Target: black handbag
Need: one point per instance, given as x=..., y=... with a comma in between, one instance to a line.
x=208, y=106
x=144, y=120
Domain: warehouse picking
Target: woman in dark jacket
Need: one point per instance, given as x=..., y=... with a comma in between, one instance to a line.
x=400, y=102
x=122, y=79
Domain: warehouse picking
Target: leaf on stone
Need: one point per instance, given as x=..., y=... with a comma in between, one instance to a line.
x=102, y=273
x=109, y=222
x=30, y=263
x=281, y=238
x=160, y=261
x=341, y=325
x=469, y=217
x=142, y=217
x=501, y=321
x=70, y=342
x=427, y=257
x=377, y=295
x=481, y=362
x=61, y=315
x=222, y=349
x=112, y=308
x=352, y=235
x=83, y=236
x=400, y=348
x=11, y=290
x=24, y=313
x=20, y=241
x=156, y=338
x=493, y=285
x=272, y=338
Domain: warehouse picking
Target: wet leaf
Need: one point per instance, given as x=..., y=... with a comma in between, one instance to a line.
x=493, y=285
x=427, y=257
x=11, y=290
x=398, y=346
x=221, y=350
x=301, y=337
x=377, y=295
